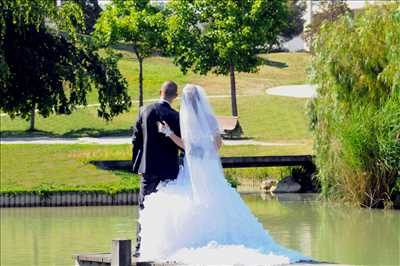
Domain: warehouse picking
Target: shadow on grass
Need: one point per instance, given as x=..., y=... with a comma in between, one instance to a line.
x=272, y=63
x=26, y=133
x=76, y=133
x=96, y=132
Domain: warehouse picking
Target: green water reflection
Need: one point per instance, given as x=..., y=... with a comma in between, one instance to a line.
x=330, y=233
x=49, y=236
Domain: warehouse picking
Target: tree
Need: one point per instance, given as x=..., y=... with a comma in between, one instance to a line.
x=295, y=22
x=356, y=116
x=51, y=71
x=135, y=23
x=91, y=11
x=223, y=36
x=329, y=11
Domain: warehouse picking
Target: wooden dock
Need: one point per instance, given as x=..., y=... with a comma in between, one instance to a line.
x=122, y=256
x=104, y=259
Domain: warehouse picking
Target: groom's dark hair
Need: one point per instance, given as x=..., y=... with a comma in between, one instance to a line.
x=169, y=89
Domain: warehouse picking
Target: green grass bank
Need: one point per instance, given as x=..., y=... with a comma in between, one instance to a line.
x=55, y=167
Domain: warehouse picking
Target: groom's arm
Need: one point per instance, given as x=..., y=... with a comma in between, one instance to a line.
x=137, y=142
x=137, y=136
x=172, y=119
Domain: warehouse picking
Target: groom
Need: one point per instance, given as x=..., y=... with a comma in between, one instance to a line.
x=155, y=157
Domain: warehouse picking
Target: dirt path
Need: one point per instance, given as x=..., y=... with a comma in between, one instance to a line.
x=298, y=91
x=123, y=140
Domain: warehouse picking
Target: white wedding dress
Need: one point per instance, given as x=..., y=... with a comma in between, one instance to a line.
x=199, y=219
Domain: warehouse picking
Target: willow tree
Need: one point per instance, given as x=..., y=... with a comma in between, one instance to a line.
x=356, y=116
x=49, y=68
x=223, y=36
x=137, y=24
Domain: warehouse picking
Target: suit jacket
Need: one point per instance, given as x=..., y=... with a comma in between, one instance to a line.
x=154, y=154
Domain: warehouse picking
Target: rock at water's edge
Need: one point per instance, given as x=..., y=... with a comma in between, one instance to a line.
x=287, y=185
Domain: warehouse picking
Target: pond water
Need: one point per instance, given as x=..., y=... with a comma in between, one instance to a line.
x=49, y=236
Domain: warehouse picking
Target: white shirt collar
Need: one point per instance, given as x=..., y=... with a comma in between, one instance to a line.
x=165, y=101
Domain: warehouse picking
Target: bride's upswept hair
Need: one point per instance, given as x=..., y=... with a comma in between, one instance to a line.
x=196, y=114
x=191, y=95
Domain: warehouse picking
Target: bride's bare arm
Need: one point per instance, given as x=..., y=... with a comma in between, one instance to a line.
x=165, y=129
x=178, y=141
x=213, y=124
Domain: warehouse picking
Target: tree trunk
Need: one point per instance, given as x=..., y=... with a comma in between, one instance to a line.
x=233, y=90
x=140, y=81
x=32, y=122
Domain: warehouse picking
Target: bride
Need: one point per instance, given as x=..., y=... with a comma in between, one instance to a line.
x=199, y=218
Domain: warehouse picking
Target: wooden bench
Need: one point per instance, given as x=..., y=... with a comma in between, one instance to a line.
x=230, y=127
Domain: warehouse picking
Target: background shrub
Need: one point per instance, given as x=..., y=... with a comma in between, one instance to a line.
x=356, y=118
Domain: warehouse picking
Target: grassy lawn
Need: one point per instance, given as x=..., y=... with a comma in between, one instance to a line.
x=59, y=168
x=263, y=117
x=278, y=69
x=67, y=167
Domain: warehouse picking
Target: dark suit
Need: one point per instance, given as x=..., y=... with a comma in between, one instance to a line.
x=154, y=156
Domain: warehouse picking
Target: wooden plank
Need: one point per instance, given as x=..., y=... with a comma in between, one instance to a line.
x=121, y=252
x=98, y=257
x=106, y=258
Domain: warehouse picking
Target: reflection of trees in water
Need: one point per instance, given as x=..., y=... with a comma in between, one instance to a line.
x=331, y=232
x=46, y=236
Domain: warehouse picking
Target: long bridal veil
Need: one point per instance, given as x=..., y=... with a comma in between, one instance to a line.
x=199, y=218
x=199, y=129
